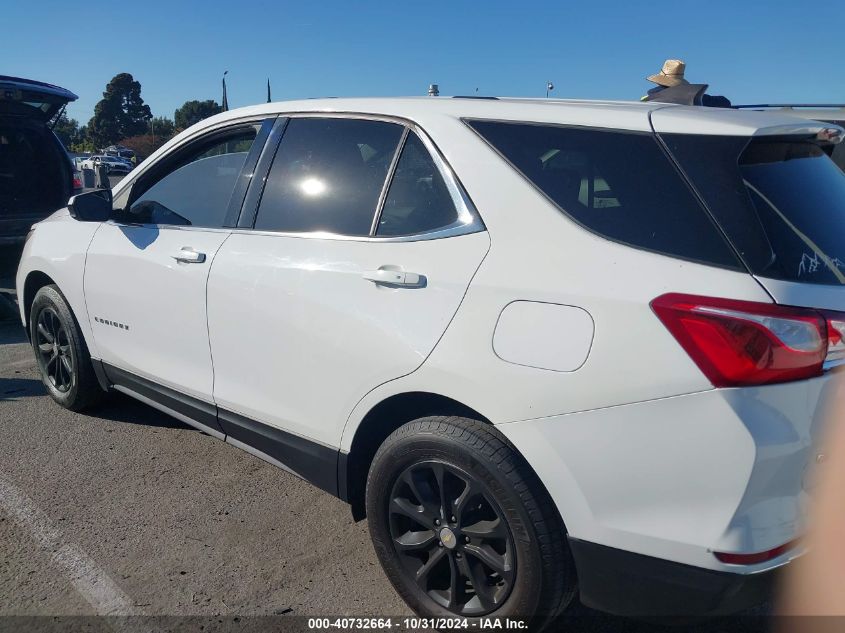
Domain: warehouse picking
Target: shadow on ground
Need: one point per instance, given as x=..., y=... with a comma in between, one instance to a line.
x=14, y=388
x=12, y=332
x=121, y=408
x=581, y=619
x=116, y=407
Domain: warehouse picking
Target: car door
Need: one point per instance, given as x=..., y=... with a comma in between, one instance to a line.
x=146, y=272
x=360, y=253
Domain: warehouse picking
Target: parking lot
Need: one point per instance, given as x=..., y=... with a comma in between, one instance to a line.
x=161, y=519
x=126, y=511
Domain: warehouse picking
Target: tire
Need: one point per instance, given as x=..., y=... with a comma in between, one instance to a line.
x=516, y=553
x=60, y=351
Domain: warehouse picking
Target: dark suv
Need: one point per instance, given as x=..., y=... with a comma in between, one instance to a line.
x=36, y=175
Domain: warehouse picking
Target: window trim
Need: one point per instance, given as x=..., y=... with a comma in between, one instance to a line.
x=388, y=180
x=173, y=162
x=128, y=192
x=469, y=220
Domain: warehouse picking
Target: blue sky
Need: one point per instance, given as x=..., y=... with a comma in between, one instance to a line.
x=748, y=50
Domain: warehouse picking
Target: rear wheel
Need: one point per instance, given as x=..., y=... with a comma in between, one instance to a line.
x=60, y=351
x=463, y=527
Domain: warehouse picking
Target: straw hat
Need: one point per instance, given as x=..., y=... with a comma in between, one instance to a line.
x=672, y=74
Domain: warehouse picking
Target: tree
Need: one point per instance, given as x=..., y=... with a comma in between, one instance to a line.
x=121, y=112
x=194, y=111
x=83, y=144
x=67, y=130
x=163, y=127
x=144, y=145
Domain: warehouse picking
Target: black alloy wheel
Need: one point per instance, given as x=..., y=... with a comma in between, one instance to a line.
x=452, y=538
x=462, y=526
x=64, y=362
x=55, y=355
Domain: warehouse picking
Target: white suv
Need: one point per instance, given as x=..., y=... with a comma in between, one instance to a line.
x=547, y=347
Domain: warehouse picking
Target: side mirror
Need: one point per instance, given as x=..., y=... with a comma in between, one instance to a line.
x=93, y=206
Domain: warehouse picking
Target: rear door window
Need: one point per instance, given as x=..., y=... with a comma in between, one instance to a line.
x=418, y=200
x=620, y=185
x=328, y=176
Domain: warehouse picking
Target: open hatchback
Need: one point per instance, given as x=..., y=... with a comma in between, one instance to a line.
x=36, y=176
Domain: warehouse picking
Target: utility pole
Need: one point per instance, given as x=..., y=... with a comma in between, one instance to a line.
x=225, y=103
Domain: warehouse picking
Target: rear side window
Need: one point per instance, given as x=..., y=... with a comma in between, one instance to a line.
x=418, y=200
x=328, y=175
x=780, y=201
x=620, y=185
x=799, y=196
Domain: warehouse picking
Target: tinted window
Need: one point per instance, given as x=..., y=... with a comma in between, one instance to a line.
x=418, y=200
x=328, y=175
x=710, y=162
x=838, y=155
x=779, y=202
x=197, y=191
x=799, y=196
x=620, y=185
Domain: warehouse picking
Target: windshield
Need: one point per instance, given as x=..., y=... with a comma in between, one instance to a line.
x=799, y=196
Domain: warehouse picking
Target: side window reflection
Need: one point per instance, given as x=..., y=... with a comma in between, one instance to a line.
x=197, y=191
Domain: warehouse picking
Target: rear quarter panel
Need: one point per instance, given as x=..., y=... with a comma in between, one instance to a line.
x=538, y=254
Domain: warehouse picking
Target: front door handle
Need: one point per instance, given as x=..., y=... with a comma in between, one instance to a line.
x=394, y=277
x=187, y=255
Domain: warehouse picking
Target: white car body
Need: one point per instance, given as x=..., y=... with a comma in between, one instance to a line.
x=557, y=347
x=112, y=162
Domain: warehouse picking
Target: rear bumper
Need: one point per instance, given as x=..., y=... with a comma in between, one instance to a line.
x=624, y=583
x=677, y=479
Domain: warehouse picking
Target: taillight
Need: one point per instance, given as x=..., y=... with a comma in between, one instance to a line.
x=77, y=182
x=737, y=343
x=835, y=337
x=757, y=557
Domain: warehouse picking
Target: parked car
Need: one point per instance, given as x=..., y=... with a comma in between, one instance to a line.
x=505, y=331
x=113, y=164
x=88, y=162
x=36, y=176
x=120, y=152
x=77, y=181
x=117, y=160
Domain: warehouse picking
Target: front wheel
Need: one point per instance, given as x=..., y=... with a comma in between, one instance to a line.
x=463, y=527
x=61, y=353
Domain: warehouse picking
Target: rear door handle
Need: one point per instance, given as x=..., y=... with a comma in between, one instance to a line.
x=187, y=255
x=394, y=277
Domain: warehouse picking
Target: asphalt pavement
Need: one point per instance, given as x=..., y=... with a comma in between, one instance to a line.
x=169, y=520
x=126, y=511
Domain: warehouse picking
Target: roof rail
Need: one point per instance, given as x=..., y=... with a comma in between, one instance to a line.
x=474, y=97
x=793, y=105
